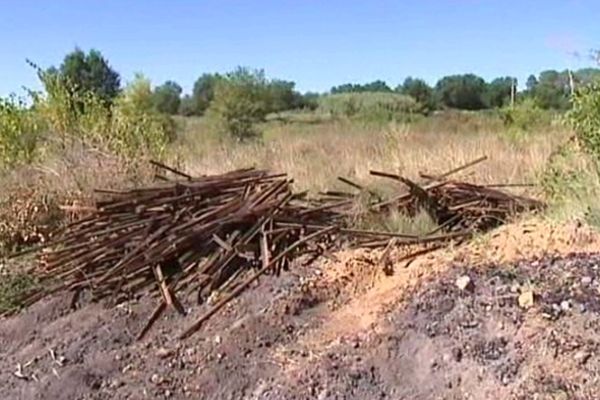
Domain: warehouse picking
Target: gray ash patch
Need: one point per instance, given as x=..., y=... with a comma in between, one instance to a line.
x=446, y=341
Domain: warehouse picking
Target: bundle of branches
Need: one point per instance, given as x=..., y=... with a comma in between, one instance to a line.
x=477, y=207
x=212, y=236
x=457, y=205
x=207, y=235
x=194, y=233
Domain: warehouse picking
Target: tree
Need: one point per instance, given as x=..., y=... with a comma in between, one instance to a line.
x=466, y=92
x=137, y=96
x=281, y=96
x=552, y=90
x=89, y=73
x=167, y=97
x=499, y=91
x=187, y=106
x=240, y=102
x=204, y=91
x=531, y=83
x=375, y=86
x=419, y=90
x=586, y=76
x=310, y=100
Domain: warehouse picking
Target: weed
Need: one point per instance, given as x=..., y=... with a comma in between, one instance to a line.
x=12, y=288
x=584, y=118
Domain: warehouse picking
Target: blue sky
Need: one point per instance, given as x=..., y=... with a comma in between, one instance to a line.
x=315, y=43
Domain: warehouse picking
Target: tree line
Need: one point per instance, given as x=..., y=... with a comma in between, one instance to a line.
x=550, y=89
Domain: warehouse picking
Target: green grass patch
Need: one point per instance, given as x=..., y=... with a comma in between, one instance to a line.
x=12, y=289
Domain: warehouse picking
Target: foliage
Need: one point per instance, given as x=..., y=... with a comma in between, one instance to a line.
x=203, y=92
x=571, y=178
x=282, y=96
x=375, y=86
x=552, y=90
x=19, y=132
x=419, y=90
x=466, y=92
x=499, y=91
x=12, y=288
x=240, y=102
x=129, y=126
x=89, y=73
x=370, y=106
x=584, y=118
x=136, y=128
x=310, y=101
x=278, y=95
x=571, y=183
x=526, y=115
x=187, y=106
x=167, y=97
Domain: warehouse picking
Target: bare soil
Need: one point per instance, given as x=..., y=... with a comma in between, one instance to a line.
x=341, y=330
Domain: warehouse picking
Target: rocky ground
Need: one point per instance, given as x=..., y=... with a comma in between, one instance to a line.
x=511, y=315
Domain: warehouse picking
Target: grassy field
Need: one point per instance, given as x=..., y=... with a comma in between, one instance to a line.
x=314, y=149
x=315, y=153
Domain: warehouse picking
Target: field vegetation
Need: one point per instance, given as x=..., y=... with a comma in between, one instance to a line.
x=86, y=130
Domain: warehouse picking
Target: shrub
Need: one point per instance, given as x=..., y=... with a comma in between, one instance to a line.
x=370, y=106
x=130, y=126
x=525, y=116
x=240, y=103
x=19, y=132
x=584, y=118
x=12, y=289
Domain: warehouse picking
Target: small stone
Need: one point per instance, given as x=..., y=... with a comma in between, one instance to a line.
x=218, y=339
x=586, y=280
x=526, y=299
x=582, y=356
x=565, y=305
x=464, y=283
x=156, y=379
x=167, y=393
x=457, y=354
x=163, y=353
x=115, y=383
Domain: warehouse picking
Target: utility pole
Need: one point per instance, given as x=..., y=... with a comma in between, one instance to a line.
x=571, y=82
x=513, y=90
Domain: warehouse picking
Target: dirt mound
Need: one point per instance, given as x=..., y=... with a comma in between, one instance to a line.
x=343, y=330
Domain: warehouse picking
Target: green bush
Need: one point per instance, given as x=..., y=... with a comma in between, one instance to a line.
x=370, y=106
x=524, y=116
x=584, y=118
x=240, y=103
x=129, y=127
x=19, y=132
x=12, y=289
x=571, y=178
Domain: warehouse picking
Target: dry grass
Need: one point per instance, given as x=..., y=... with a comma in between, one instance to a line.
x=315, y=154
x=37, y=199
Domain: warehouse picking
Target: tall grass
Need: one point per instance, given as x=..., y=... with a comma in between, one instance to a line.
x=315, y=154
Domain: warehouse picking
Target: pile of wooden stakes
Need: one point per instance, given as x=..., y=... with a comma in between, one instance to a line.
x=199, y=235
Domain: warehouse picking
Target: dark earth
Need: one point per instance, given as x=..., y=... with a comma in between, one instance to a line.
x=441, y=342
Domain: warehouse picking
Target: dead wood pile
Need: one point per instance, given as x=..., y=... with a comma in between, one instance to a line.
x=217, y=234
